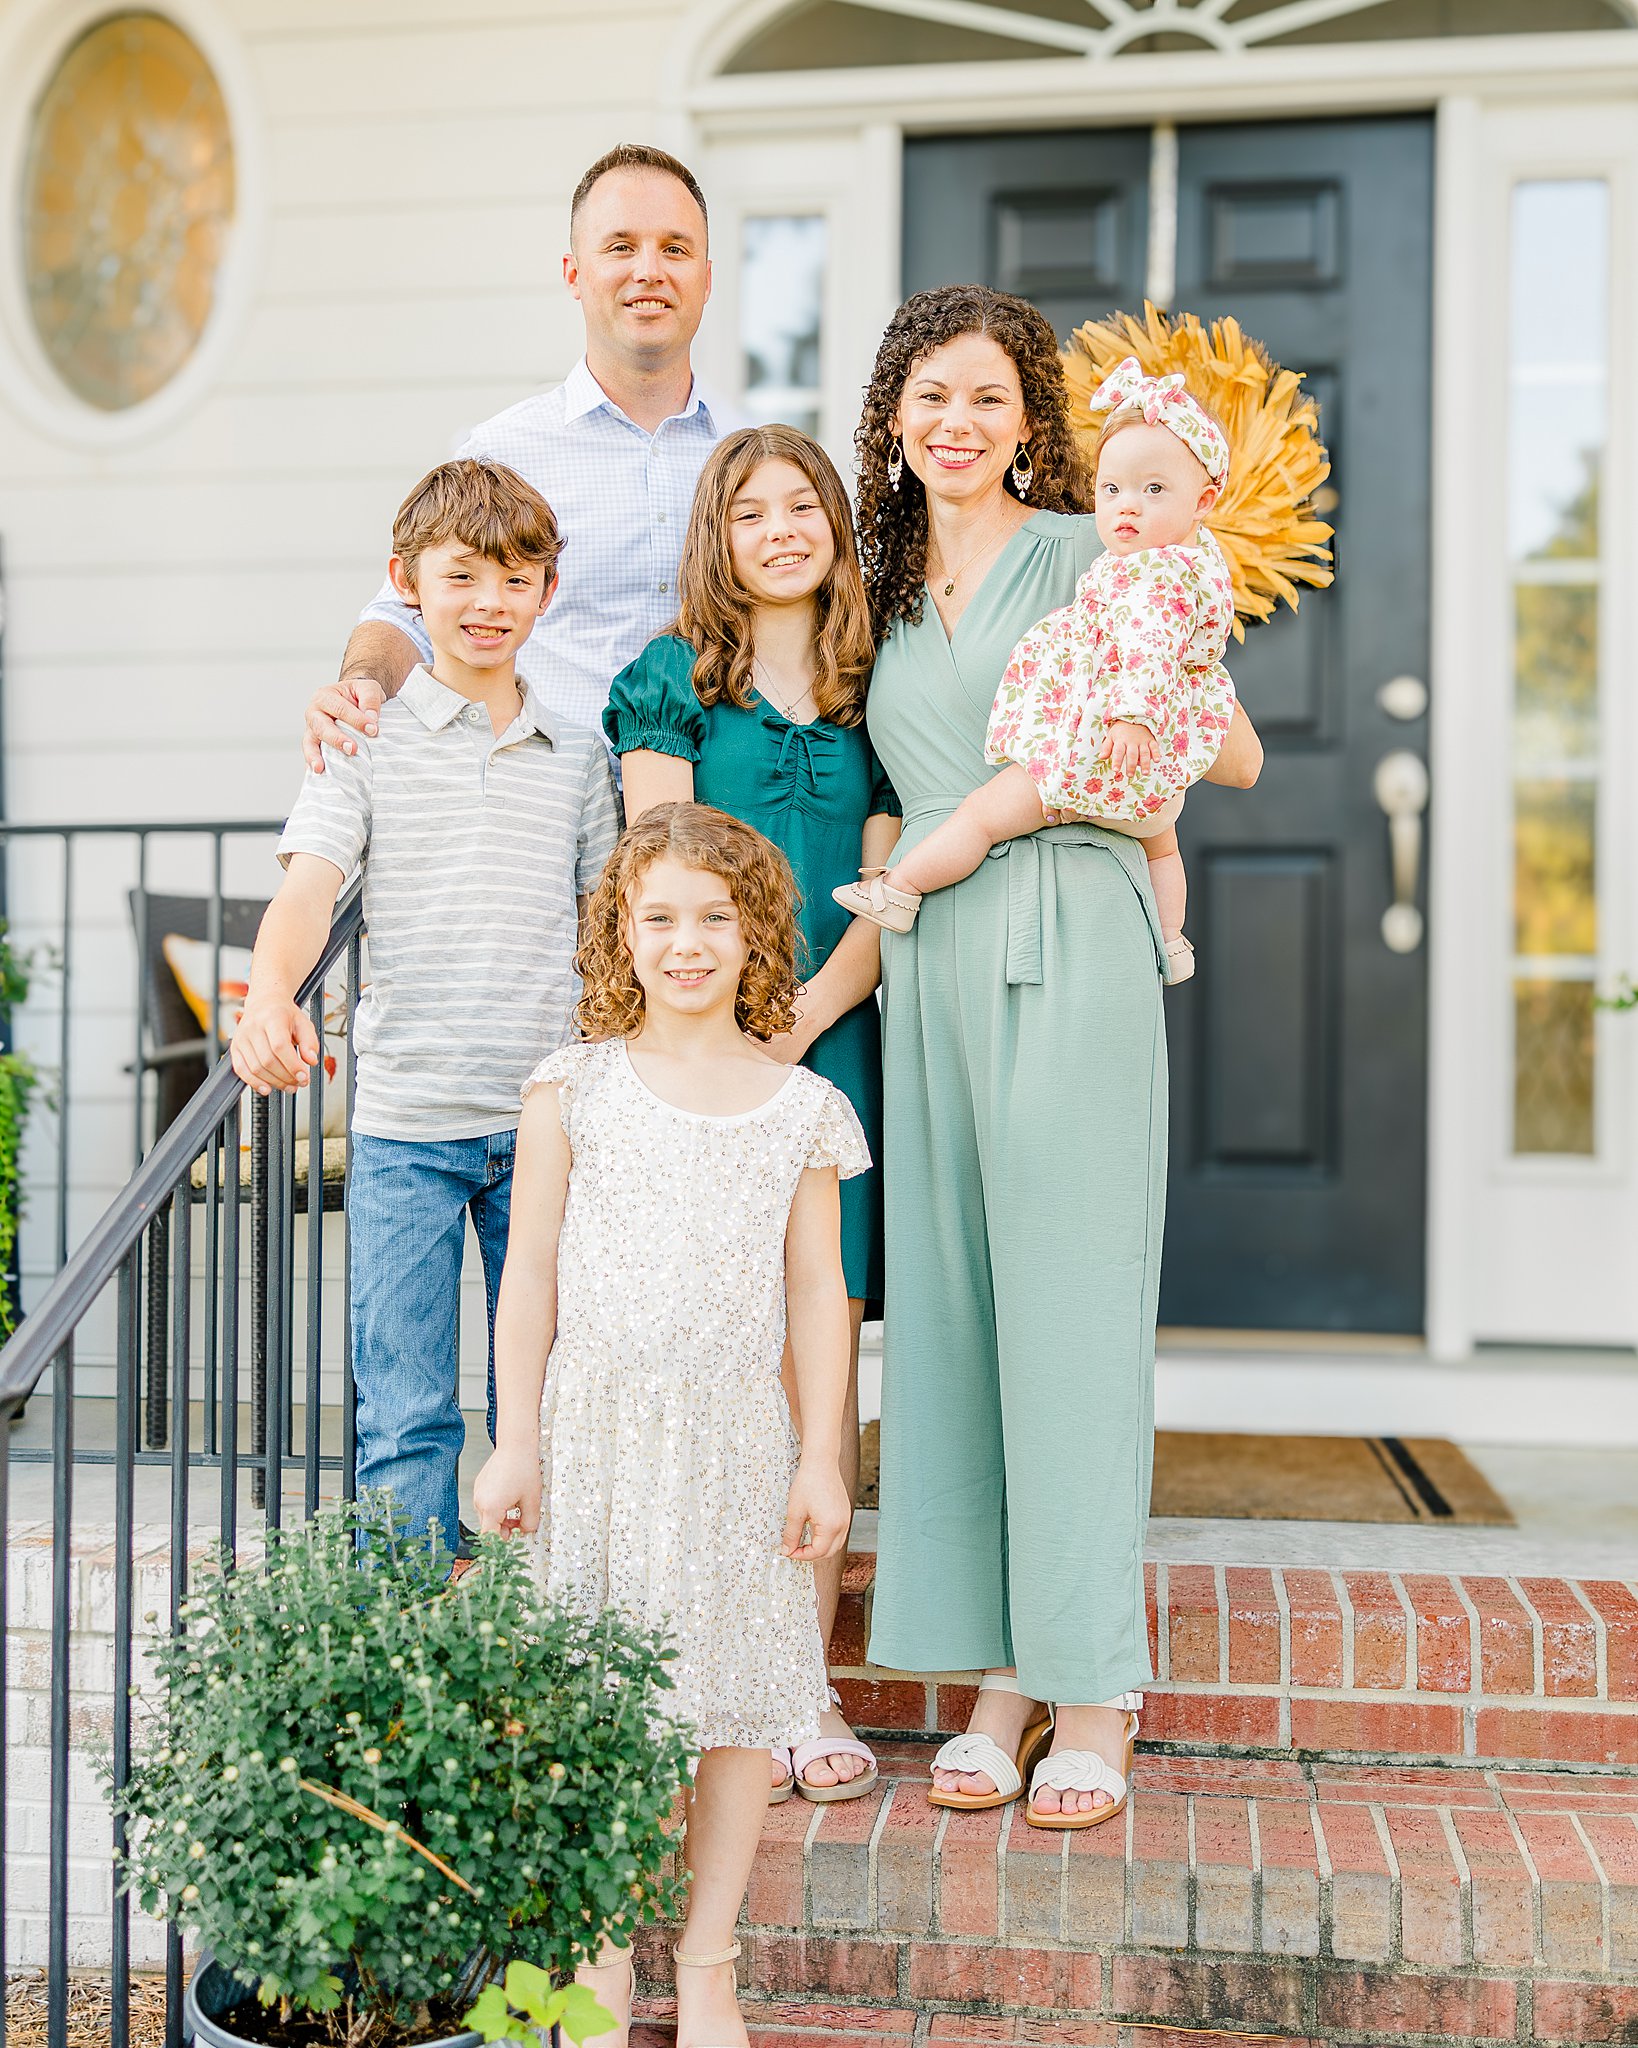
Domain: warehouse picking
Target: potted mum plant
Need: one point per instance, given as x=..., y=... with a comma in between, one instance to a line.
x=366, y=1792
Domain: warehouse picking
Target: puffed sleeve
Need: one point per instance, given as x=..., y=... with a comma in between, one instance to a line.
x=836, y=1137
x=566, y=1066
x=883, y=799
x=1149, y=616
x=652, y=706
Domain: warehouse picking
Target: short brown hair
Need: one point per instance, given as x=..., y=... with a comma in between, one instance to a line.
x=482, y=505
x=716, y=613
x=764, y=892
x=637, y=156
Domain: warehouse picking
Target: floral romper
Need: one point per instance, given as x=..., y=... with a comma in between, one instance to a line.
x=1143, y=641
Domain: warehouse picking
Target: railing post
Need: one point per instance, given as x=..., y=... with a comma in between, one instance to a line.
x=125, y=1444
x=62, y=1585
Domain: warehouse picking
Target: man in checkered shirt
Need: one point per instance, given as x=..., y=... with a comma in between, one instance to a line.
x=616, y=451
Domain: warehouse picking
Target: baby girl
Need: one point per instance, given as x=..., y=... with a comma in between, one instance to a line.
x=1113, y=706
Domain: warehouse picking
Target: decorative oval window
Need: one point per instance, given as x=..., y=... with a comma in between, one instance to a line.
x=127, y=206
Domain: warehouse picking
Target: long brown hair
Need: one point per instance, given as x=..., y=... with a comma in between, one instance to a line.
x=893, y=524
x=764, y=892
x=716, y=611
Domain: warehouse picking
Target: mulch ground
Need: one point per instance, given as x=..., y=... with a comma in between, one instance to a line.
x=90, y=2010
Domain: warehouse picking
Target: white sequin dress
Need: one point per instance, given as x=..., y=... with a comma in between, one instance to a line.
x=666, y=1438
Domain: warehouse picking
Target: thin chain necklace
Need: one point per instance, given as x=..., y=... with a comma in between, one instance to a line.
x=786, y=711
x=956, y=574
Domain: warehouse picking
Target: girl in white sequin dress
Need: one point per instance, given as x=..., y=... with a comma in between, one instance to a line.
x=674, y=1210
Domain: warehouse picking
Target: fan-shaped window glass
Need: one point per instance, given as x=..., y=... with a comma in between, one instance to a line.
x=833, y=34
x=127, y=206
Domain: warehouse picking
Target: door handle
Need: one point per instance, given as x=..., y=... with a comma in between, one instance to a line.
x=1401, y=788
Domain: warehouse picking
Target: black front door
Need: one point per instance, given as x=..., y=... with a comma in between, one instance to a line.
x=1299, y=1053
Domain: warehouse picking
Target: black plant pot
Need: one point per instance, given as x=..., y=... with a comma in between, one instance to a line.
x=212, y=1991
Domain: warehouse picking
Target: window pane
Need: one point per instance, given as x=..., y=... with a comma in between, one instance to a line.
x=1555, y=909
x=1555, y=654
x=1553, y=1066
x=1559, y=321
x=1557, y=432
x=782, y=285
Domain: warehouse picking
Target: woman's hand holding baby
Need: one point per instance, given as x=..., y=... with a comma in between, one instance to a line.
x=1127, y=747
x=818, y=1502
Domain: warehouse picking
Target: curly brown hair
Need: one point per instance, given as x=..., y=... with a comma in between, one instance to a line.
x=716, y=614
x=764, y=892
x=893, y=524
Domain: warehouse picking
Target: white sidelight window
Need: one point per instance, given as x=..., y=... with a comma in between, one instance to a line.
x=1557, y=444
x=781, y=317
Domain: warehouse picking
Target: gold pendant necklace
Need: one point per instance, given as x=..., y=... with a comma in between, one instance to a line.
x=989, y=542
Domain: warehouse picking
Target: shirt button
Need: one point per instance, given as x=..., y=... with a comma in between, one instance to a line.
x=664, y=587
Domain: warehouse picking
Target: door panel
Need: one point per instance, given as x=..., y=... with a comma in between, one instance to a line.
x=1317, y=237
x=1062, y=220
x=1299, y=1051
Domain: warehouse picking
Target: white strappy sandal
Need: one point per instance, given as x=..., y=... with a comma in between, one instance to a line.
x=730, y=1954
x=873, y=896
x=972, y=1752
x=778, y=1794
x=1083, y=1770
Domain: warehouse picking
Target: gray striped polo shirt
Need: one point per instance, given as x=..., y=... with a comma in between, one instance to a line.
x=474, y=849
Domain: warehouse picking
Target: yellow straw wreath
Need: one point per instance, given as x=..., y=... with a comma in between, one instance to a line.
x=1265, y=521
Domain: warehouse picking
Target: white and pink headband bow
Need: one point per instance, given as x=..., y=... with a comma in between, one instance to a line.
x=1167, y=402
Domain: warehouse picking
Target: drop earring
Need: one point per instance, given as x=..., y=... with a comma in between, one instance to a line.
x=895, y=463
x=1023, y=470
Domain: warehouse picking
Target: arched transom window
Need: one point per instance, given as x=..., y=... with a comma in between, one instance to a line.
x=815, y=34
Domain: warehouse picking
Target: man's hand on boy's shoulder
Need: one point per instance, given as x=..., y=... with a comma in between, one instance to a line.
x=274, y=1044
x=337, y=713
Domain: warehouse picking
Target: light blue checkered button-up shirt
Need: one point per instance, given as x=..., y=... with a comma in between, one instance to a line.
x=621, y=496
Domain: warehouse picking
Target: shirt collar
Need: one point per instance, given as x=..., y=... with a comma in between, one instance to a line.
x=437, y=705
x=582, y=394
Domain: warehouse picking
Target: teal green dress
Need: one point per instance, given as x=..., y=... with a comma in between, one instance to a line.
x=808, y=788
x=1024, y=1145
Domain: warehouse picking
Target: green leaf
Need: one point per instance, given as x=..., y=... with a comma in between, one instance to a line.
x=529, y=1988
x=491, y=2017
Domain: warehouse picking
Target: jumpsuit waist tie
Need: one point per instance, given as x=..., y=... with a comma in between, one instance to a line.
x=1023, y=856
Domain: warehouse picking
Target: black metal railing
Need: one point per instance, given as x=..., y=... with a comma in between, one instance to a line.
x=55, y=916
x=210, y=1222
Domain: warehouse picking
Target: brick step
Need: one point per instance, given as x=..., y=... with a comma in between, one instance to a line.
x=1298, y=1902
x=1294, y=1661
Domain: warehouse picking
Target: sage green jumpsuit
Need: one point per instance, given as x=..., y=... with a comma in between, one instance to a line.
x=1024, y=1159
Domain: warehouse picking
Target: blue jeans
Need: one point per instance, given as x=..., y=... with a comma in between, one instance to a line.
x=408, y=1202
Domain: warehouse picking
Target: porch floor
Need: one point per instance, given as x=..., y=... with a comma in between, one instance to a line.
x=1576, y=1509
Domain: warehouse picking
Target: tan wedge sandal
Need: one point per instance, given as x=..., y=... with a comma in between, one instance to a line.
x=730, y=1954
x=983, y=1753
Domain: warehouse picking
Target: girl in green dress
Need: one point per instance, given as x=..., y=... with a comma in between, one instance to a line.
x=754, y=702
x=1025, y=1121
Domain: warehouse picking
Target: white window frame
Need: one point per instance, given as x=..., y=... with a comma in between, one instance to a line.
x=1523, y=1248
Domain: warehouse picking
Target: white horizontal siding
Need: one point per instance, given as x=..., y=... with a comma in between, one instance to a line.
x=171, y=602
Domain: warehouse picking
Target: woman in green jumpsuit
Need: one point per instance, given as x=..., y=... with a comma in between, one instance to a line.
x=1025, y=1063
x=773, y=732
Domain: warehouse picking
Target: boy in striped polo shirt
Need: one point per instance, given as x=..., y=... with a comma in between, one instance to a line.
x=480, y=823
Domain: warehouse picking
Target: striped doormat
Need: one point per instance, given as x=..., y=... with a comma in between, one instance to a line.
x=1216, y=1475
